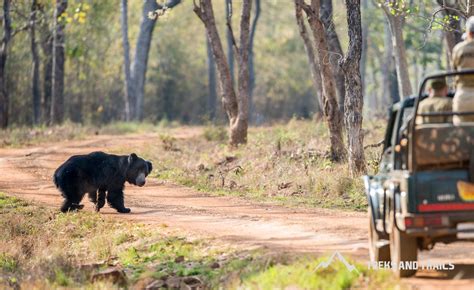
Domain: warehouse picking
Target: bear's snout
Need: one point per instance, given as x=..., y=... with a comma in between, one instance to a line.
x=140, y=181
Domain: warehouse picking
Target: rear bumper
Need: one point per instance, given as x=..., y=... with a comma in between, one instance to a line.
x=438, y=224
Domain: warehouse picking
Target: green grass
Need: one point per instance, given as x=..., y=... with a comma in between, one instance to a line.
x=304, y=274
x=7, y=202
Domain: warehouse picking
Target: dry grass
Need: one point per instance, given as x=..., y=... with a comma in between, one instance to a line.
x=27, y=136
x=283, y=163
x=43, y=249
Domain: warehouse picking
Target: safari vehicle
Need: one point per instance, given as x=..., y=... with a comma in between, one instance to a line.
x=423, y=193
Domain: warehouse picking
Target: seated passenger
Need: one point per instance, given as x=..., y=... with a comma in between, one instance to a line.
x=437, y=101
x=463, y=58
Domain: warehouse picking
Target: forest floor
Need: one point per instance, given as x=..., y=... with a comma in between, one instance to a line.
x=269, y=235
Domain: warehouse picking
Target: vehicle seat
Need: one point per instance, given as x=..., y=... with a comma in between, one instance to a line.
x=443, y=145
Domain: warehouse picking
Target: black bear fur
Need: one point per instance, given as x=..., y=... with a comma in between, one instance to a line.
x=101, y=173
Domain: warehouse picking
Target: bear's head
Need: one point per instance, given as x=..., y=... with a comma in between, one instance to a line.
x=138, y=169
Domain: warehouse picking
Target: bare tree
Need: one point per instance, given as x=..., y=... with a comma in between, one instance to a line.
x=35, y=74
x=235, y=104
x=395, y=13
x=329, y=96
x=253, y=29
x=334, y=44
x=7, y=34
x=230, y=44
x=142, y=50
x=128, y=89
x=365, y=46
x=387, y=66
x=211, y=69
x=310, y=53
x=58, y=60
x=47, y=48
x=354, y=99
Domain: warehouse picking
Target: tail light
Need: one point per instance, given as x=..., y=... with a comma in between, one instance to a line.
x=425, y=221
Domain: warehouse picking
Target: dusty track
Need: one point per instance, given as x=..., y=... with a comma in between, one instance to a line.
x=27, y=172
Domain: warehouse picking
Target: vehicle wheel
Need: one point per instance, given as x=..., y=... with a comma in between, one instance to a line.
x=403, y=251
x=378, y=250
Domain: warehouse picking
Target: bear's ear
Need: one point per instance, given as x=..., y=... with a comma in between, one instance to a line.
x=150, y=166
x=132, y=157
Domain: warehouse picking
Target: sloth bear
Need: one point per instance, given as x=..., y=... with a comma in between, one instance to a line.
x=99, y=172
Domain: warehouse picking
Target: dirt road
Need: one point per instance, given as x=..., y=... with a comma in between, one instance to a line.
x=27, y=172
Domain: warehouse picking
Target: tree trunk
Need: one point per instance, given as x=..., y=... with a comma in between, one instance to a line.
x=354, y=99
x=7, y=34
x=142, y=50
x=35, y=78
x=396, y=28
x=251, y=58
x=239, y=134
x=235, y=105
x=211, y=69
x=365, y=47
x=47, y=46
x=336, y=54
x=330, y=105
x=310, y=53
x=128, y=90
x=387, y=66
x=230, y=44
x=58, y=55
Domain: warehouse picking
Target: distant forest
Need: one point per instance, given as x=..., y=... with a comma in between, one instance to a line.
x=179, y=84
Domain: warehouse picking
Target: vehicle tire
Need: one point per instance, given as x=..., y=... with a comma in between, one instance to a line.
x=377, y=252
x=403, y=250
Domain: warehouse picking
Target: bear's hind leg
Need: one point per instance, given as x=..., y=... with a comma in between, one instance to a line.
x=71, y=205
x=72, y=198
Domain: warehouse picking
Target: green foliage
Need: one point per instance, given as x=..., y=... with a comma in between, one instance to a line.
x=7, y=263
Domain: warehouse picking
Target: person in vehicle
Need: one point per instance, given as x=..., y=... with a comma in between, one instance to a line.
x=437, y=101
x=463, y=58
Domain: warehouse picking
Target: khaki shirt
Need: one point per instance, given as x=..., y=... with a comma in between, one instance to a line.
x=435, y=104
x=463, y=58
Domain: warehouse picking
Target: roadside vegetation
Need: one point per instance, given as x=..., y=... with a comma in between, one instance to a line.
x=284, y=163
x=43, y=249
x=28, y=136
x=287, y=164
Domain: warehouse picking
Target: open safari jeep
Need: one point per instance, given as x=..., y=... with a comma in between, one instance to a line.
x=424, y=191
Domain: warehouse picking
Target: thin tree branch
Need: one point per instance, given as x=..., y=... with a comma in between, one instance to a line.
x=229, y=26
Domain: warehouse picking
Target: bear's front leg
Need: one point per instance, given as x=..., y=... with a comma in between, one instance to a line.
x=100, y=200
x=115, y=200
